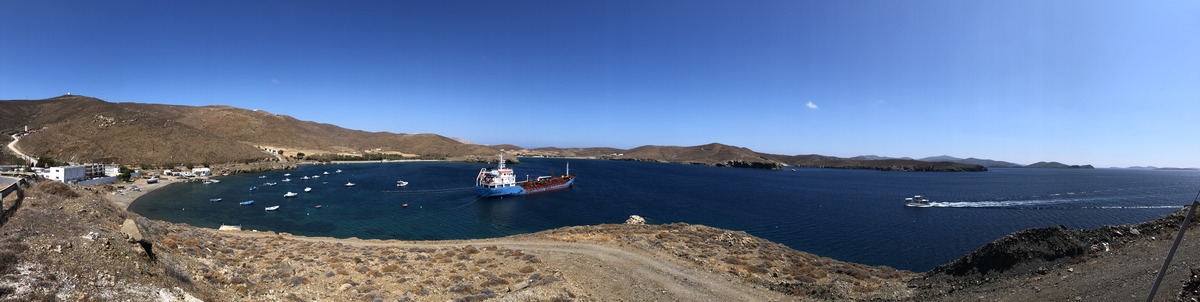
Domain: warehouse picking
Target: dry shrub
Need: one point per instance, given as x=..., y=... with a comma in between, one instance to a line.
x=527, y=269
x=389, y=268
x=170, y=243
x=56, y=189
x=866, y=287
x=663, y=235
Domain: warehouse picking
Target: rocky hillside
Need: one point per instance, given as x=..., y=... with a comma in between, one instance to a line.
x=83, y=129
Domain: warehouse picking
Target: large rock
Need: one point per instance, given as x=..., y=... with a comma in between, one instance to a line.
x=130, y=229
x=635, y=220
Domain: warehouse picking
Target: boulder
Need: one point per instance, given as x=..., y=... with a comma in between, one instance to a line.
x=635, y=220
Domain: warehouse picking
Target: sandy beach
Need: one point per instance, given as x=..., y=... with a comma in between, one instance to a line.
x=124, y=200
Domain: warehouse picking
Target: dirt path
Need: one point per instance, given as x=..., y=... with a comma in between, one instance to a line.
x=609, y=273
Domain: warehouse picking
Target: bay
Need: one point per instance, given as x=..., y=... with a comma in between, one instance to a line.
x=849, y=215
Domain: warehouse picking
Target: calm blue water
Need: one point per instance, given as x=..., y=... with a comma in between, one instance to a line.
x=849, y=215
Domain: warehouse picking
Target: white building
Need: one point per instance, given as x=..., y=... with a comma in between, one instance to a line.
x=112, y=171
x=72, y=174
x=202, y=171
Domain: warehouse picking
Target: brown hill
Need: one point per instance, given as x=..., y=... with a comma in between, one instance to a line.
x=83, y=129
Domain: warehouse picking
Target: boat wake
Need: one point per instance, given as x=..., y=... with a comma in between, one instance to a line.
x=1058, y=204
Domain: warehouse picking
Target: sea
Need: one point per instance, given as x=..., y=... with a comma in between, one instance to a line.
x=849, y=215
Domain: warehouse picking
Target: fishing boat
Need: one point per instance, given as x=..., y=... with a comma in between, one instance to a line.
x=253, y=188
x=287, y=174
x=318, y=206
x=272, y=208
x=316, y=176
x=287, y=179
x=307, y=189
x=338, y=171
x=245, y=203
x=349, y=184
x=404, y=205
x=289, y=194
x=500, y=181
x=401, y=183
x=917, y=202
x=326, y=173
x=214, y=180
x=304, y=178
x=214, y=199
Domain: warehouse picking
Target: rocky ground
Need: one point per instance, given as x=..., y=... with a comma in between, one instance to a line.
x=62, y=242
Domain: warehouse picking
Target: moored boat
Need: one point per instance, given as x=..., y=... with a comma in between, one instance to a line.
x=304, y=178
x=401, y=183
x=287, y=179
x=349, y=184
x=289, y=194
x=214, y=199
x=501, y=181
x=253, y=188
x=325, y=173
x=245, y=203
x=272, y=208
x=338, y=171
x=287, y=174
x=307, y=189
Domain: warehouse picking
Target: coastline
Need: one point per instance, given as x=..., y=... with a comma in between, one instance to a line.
x=123, y=201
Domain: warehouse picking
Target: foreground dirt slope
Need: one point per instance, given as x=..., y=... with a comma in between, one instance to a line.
x=96, y=251
x=1112, y=263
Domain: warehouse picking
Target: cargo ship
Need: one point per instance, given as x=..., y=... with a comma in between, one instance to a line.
x=500, y=181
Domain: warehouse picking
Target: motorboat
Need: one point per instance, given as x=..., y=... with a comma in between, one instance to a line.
x=272, y=208
x=338, y=171
x=917, y=202
x=326, y=173
x=307, y=189
x=246, y=203
x=401, y=183
x=349, y=184
x=304, y=178
x=214, y=199
x=289, y=194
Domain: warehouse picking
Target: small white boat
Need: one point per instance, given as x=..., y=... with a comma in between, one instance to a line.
x=214, y=199
x=289, y=194
x=316, y=176
x=326, y=173
x=338, y=171
x=272, y=208
x=304, y=178
x=271, y=183
x=264, y=176
x=287, y=174
x=917, y=202
x=214, y=181
x=401, y=183
x=307, y=189
x=349, y=184
x=287, y=179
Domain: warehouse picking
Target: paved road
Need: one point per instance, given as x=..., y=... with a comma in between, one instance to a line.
x=13, y=146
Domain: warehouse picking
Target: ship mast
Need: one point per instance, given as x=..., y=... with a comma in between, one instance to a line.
x=568, y=168
x=501, y=159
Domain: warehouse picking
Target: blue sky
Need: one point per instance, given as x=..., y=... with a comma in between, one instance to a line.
x=1080, y=82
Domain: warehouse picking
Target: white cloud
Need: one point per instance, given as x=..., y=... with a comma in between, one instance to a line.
x=811, y=105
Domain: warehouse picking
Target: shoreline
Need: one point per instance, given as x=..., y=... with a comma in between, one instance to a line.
x=123, y=201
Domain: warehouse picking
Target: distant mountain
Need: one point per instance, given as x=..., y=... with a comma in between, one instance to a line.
x=973, y=161
x=1058, y=165
x=876, y=157
x=84, y=129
